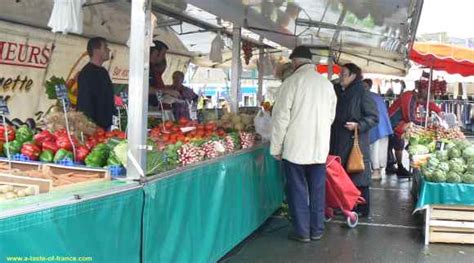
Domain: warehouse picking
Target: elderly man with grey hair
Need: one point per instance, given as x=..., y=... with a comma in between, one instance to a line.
x=301, y=128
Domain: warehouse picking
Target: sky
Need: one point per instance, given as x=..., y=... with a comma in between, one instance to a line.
x=454, y=16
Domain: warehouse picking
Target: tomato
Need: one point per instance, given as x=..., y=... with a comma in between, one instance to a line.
x=210, y=133
x=183, y=121
x=221, y=132
x=200, y=127
x=173, y=136
x=169, y=124
x=200, y=133
x=176, y=129
x=166, y=137
x=193, y=123
x=180, y=138
x=210, y=126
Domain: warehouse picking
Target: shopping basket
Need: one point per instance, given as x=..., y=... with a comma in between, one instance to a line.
x=341, y=193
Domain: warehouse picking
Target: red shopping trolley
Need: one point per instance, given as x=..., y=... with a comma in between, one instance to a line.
x=341, y=193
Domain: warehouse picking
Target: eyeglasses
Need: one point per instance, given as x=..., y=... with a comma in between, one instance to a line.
x=345, y=74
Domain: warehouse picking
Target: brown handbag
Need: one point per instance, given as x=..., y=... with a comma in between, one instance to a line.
x=355, y=162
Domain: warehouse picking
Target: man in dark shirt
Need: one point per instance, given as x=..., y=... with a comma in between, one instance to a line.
x=95, y=95
x=157, y=68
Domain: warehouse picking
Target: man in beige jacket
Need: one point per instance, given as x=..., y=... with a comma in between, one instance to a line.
x=301, y=127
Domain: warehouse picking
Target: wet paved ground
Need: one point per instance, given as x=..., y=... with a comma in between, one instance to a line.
x=391, y=234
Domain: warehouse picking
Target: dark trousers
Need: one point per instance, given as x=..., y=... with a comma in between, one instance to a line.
x=365, y=208
x=306, y=193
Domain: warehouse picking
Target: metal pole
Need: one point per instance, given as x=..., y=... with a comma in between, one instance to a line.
x=138, y=93
x=330, y=65
x=428, y=98
x=236, y=69
x=260, y=76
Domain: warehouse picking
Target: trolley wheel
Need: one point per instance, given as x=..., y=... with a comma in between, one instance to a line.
x=327, y=219
x=352, y=220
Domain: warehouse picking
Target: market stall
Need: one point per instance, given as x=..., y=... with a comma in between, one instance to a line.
x=443, y=182
x=214, y=171
x=191, y=191
x=440, y=155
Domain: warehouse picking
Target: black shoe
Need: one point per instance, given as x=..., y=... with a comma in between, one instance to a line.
x=295, y=237
x=317, y=237
x=390, y=170
x=403, y=173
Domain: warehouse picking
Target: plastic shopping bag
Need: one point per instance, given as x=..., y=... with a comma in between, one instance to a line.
x=263, y=124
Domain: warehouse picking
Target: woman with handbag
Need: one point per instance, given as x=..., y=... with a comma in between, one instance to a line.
x=356, y=114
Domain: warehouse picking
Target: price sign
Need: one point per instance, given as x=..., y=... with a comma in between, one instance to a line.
x=159, y=95
x=3, y=106
x=124, y=96
x=439, y=146
x=61, y=94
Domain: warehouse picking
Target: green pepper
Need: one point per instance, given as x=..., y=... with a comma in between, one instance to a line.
x=95, y=159
x=14, y=147
x=62, y=154
x=24, y=134
x=47, y=156
x=113, y=160
x=101, y=147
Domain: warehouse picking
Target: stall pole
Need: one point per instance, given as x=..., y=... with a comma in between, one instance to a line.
x=138, y=87
x=428, y=98
x=236, y=69
x=260, y=75
x=330, y=65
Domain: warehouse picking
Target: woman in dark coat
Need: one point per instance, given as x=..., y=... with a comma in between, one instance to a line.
x=355, y=110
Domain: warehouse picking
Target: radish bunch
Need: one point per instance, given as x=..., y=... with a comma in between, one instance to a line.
x=229, y=144
x=247, y=140
x=189, y=154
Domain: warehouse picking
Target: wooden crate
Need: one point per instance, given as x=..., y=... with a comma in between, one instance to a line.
x=104, y=173
x=43, y=184
x=449, y=224
x=22, y=166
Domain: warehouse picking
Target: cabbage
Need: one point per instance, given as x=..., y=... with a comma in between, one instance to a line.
x=470, y=167
x=438, y=176
x=449, y=145
x=120, y=151
x=468, y=178
x=453, y=177
x=454, y=152
x=418, y=149
x=462, y=144
x=443, y=167
x=433, y=162
x=468, y=153
x=457, y=165
x=442, y=155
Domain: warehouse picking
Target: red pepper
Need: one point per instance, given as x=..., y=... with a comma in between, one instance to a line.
x=42, y=137
x=10, y=131
x=64, y=143
x=31, y=151
x=50, y=145
x=100, y=132
x=60, y=133
x=91, y=143
x=81, y=153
